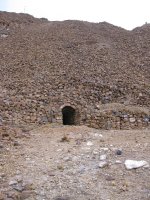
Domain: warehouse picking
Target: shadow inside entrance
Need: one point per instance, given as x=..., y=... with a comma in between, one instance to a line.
x=68, y=115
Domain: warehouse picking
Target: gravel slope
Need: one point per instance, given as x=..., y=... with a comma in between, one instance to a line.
x=63, y=163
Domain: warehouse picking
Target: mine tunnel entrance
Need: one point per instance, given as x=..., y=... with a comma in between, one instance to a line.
x=68, y=114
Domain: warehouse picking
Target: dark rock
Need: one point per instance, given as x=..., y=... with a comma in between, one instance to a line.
x=118, y=152
x=16, y=143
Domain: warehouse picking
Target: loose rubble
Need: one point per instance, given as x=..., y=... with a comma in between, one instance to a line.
x=100, y=70
x=43, y=166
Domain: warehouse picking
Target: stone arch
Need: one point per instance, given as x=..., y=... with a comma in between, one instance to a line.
x=69, y=115
x=77, y=112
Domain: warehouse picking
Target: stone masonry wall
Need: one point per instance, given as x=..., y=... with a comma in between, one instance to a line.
x=119, y=120
x=43, y=107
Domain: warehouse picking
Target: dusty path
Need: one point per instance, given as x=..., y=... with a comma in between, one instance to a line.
x=62, y=163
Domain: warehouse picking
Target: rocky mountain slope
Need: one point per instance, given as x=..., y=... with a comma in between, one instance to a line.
x=73, y=49
x=50, y=61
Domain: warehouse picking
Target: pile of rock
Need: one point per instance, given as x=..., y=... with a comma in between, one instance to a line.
x=45, y=65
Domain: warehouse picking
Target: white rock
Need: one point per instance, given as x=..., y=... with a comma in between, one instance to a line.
x=58, y=150
x=98, y=135
x=103, y=164
x=95, y=152
x=132, y=119
x=133, y=164
x=103, y=157
x=4, y=35
x=13, y=182
x=89, y=143
x=118, y=162
x=104, y=149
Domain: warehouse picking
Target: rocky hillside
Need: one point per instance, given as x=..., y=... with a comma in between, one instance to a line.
x=72, y=59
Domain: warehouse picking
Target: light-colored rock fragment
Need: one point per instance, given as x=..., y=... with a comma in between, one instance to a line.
x=89, y=143
x=133, y=164
x=103, y=157
x=132, y=119
x=103, y=164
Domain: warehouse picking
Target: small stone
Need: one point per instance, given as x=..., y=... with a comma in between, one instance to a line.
x=118, y=162
x=132, y=119
x=4, y=35
x=95, y=152
x=113, y=183
x=67, y=159
x=104, y=149
x=103, y=164
x=98, y=135
x=134, y=164
x=60, y=167
x=13, y=182
x=89, y=143
x=103, y=157
x=146, y=119
x=118, y=152
x=16, y=143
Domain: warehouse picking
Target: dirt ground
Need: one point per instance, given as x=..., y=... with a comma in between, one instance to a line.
x=62, y=163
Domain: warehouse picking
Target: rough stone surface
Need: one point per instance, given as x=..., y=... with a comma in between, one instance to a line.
x=101, y=70
x=50, y=174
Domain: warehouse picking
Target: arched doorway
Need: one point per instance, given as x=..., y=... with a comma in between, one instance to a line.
x=68, y=114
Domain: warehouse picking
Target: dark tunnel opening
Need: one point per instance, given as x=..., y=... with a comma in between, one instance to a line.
x=68, y=115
